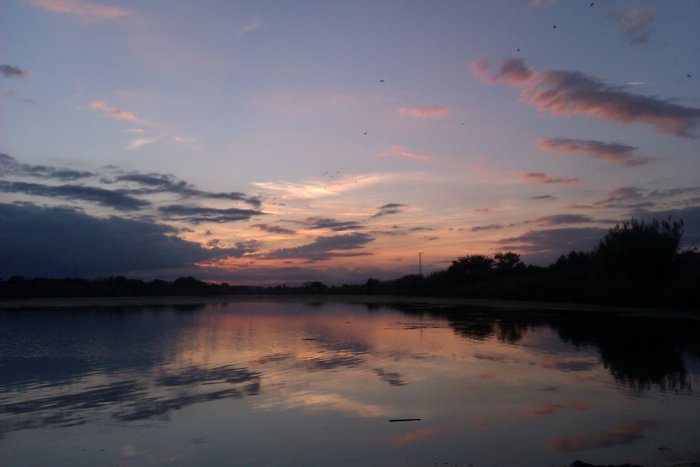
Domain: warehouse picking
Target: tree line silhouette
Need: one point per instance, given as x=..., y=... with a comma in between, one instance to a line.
x=635, y=263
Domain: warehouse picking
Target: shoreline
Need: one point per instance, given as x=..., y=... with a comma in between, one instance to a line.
x=82, y=302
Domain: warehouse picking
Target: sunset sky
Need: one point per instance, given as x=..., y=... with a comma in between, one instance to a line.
x=265, y=142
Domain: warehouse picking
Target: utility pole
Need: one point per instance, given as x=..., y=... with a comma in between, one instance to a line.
x=420, y=263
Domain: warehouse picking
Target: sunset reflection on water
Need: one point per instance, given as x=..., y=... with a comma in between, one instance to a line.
x=285, y=382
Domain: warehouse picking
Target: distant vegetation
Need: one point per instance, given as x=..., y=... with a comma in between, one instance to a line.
x=635, y=263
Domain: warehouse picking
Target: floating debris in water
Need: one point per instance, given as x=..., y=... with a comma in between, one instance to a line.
x=404, y=419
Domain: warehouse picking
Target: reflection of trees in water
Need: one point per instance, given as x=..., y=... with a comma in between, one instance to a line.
x=640, y=352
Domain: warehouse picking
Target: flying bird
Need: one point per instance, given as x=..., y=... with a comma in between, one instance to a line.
x=518, y=50
x=592, y=3
x=381, y=80
x=364, y=133
x=554, y=27
x=689, y=75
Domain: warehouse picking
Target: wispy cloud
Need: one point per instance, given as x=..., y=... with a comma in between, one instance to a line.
x=636, y=21
x=181, y=139
x=396, y=150
x=434, y=111
x=10, y=71
x=389, y=208
x=617, y=153
x=560, y=219
x=481, y=228
x=199, y=214
x=86, y=9
x=10, y=166
x=541, y=177
x=330, y=224
x=563, y=92
x=275, y=229
x=321, y=188
x=252, y=25
x=108, y=198
x=323, y=248
x=136, y=143
x=151, y=183
x=114, y=112
x=632, y=197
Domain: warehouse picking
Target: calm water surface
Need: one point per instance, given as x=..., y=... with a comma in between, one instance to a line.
x=294, y=383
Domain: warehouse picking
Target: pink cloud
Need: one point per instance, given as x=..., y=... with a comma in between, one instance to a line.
x=562, y=92
x=541, y=177
x=396, y=150
x=622, y=433
x=512, y=71
x=616, y=153
x=113, y=111
x=180, y=139
x=435, y=111
x=85, y=8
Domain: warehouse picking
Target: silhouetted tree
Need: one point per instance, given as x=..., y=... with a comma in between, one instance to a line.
x=635, y=249
x=314, y=287
x=574, y=261
x=470, y=268
x=508, y=262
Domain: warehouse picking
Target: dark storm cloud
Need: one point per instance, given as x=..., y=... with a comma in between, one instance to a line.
x=9, y=71
x=274, y=229
x=10, y=166
x=198, y=214
x=164, y=183
x=36, y=241
x=112, y=199
x=387, y=209
x=544, y=246
x=616, y=153
x=562, y=92
x=324, y=248
x=332, y=224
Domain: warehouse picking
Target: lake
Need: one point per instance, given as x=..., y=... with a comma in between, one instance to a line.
x=289, y=382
